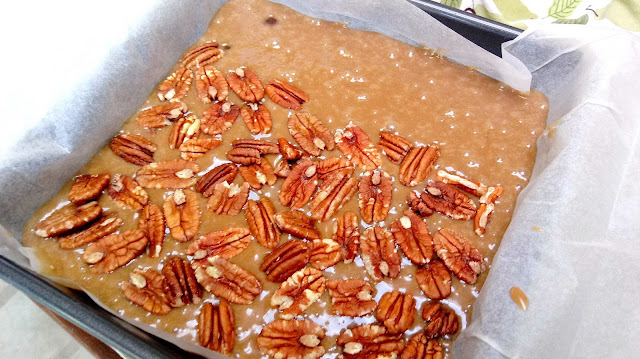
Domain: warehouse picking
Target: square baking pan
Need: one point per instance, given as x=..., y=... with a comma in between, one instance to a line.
x=132, y=342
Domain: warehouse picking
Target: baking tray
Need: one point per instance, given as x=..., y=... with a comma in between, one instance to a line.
x=134, y=343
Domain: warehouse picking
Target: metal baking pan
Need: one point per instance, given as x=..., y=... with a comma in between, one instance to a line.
x=132, y=342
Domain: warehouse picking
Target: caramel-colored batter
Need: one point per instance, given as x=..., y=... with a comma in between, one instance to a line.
x=484, y=129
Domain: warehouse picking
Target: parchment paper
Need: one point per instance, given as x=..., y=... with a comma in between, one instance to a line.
x=581, y=272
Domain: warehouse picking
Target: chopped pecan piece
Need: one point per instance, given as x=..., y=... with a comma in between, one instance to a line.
x=211, y=84
x=98, y=229
x=168, y=174
x=182, y=213
x=310, y=133
x=258, y=175
x=246, y=84
x=417, y=164
x=412, y=236
x=466, y=184
x=286, y=95
x=185, y=129
x=264, y=147
x=379, y=253
x=183, y=286
x=219, y=118
x=355, y=144
x=127, y=192
x=487, y=206
x=285, y=260
x=227, y=280
x=217, y=327
x=260, y=217
x=282, y=169
x=257, y=118
x=324, y=253
x=88, y=187
x=393, y=146
x=331, y=196
x=396, y=311
x=421, y=347
x=418, y=205
x=298, y=292
x=226, y=243
x=68, y=218
x=147, y=289
x=202, y=55
x=370, y=341
x=440, y=320
x=197, y=147
x=151, y=223
x=347, y=234
x=115, y=250
x=334, y=167
x=374, y=196
x=176, y=85
x=228, y=198
x=224, y=172
x=448, y=200
x=244, y=156
x=434, y=279
x=298, y=224
x=300, y=185
x=289, y=339
x=133, y=148
x=160, y=115
x=351, y=297
x=288, y=151
x=459, y=255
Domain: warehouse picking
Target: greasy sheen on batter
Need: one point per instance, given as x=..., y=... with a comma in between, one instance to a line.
x=483, y=128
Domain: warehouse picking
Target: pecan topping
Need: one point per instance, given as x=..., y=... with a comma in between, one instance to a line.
x=147, y=289
x=418, y=205
x=466, y=184
x=440, y=320
x=211, y=84
x=183, y=286
x=151, y=223
x=448, y=200
x=369, y=341
x=324, y=253
x=115, y=250
x=244, y=155
x=298, y=224
x=228, y=198
x=331, y=196
x=355, y=144
x=417, y=164
x=227, y=280
x=379, y=253
x=421, y=347
x=185, y=129
x=168, y=174
x=182, y=214
x=202, y=55
x=393, y=146
x=412, y=236
x=282, y=169
x=310, y=133
x=127, y=192
x=396, y=311
x=487, y=206
x=285, y=260
x=459, y=255
x=133, y=148
x=288, y=151
x=246, y=84
x=300, y=185
x=351, y=297
x=219, y=118
x=374, y=196
x=176, y=85
x=347, y=234
x=264, y=147
x=98, y=229
x=260, y=217
x=224, y=172
x=160, y=115
x=197, y=147
x=87, y=188
x=334, y=167
x=68, y=218
x=434, y=280
x=257, y=118
x=292, y=339
x=217, y=327
x=226, y=243
x=286, y=95
x=298, y=292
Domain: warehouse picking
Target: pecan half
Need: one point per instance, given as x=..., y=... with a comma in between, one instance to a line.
x=227, y=280
x=299, y=186
x=98, y=229
x=127, y=192
x=459, y=255
x=393, y=146
x=115, y=250
x=185, y=129
x=160, y=115
x=412, y=236
x=288, y=151
x=434, y=280
x=292, y=339
x=351, y=297
x=355, y=144
x=324, y=253
x=298, y=292
x=176, y=85
x=285, y=260
x=246, y=84
x=396, y=311
x=168, y=174
x=182, y=213
x=228, y=198
x=211, y=84
x=260, y=217
x=244, y=156
x=226, y=243
x=379, y=253
x=197, y=147
x=133, y=148
x=347, y=234
x=147, y=289
x=421, y=347
x=374, y=196
x=202, y=55
x=219, y=118
x=370, y=341
x=334, y=167
x=331, y=196
x=466, y=184
x=286, y=95
x=298, y=224
x=88, y=187
x=257, y=118
x=264, y=147
x=418, y=205
x=282, y=169
x=417, y=164
x=68, y=218
x=217, y=327
x=487, y=206
x=448, y=200
x=224, y=172
x=151, y=223
x=183, y=286
x=440, y=320
x=310, y=133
